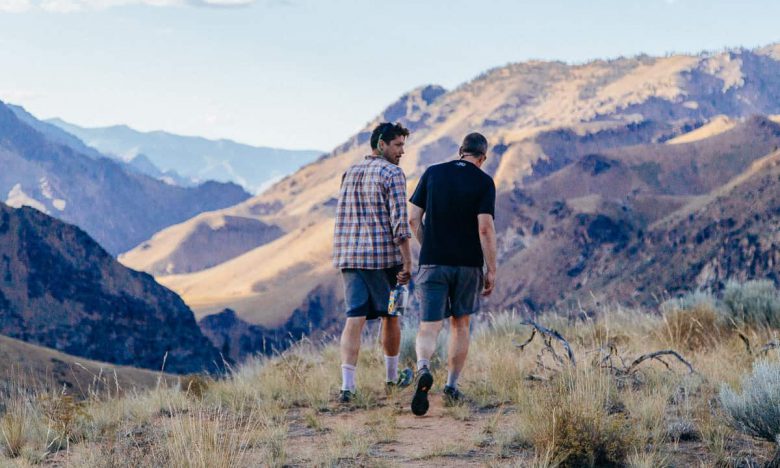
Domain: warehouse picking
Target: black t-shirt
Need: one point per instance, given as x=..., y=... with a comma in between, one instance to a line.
x=452, y=195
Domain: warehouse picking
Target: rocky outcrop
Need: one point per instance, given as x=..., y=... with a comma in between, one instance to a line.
x=237, y=339
x=60, y=289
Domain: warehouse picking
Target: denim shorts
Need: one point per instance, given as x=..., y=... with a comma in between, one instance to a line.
x=367, y=292
x=448, y=291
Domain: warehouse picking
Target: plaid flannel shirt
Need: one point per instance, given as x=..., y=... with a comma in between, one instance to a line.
x=371, y=216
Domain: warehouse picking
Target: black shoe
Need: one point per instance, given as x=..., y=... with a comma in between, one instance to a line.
x=346, y=396
x=424, y=383
x=452, y=395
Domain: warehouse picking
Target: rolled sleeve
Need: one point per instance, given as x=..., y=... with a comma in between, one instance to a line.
x=399, y=216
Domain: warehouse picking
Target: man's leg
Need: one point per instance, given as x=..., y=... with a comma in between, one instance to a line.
x=350, y=348
x=425, y=345
x=391, y=344
x=458, y=348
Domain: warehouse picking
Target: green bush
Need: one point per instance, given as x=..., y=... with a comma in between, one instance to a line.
x=756, y=411
x=753, y=303
x=693, y=300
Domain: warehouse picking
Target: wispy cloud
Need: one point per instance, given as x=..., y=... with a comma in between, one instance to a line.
x=70, y=6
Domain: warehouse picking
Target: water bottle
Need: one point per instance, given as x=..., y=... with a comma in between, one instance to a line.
x=399, y=299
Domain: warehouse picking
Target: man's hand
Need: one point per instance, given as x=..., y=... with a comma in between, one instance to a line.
x=490, y=282
x=405, y=274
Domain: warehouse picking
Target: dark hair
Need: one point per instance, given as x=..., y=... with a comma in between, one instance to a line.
x=388, y=132
x=474, y=144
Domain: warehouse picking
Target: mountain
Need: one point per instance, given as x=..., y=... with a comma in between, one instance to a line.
x=195, y=158
x=139, y=164
x=60, y=289
x=120, y=208
x=731, y=233
x=586, y=159
x=609, y=225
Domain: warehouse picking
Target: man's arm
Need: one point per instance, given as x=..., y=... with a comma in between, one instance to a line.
x=405, y=274
x=399, y=223
x=415, y=221
x=487, y=238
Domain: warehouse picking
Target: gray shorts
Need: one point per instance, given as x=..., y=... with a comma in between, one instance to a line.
x=367, y=292
x=448, y=291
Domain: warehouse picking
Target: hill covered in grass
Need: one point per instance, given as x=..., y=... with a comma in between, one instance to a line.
x=528, y=403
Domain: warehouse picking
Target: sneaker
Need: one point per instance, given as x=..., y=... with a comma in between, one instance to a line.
x=346, y=396
x=452, y=395
x=404, y=379
x=424, y=383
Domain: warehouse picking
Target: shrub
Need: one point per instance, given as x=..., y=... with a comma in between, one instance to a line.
x=756, y=411
x=691, y=300
x=65, y=416
x=577, y=421
x=12, y=428
x=753, y=303
x=696, y=327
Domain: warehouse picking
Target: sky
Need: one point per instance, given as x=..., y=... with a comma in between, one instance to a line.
x=308, y=74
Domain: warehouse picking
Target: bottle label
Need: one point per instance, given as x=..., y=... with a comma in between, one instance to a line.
x=398, y=300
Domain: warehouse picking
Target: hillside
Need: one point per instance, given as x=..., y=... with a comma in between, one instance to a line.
x=37, y=367
x=60, y=289
x=522, y=407
x=575, y=148
x=119, y=207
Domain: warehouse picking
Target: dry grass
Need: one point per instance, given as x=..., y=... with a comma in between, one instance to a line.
x=281, y=410
x=693, y=329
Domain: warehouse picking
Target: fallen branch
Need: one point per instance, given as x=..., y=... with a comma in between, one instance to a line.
x=656, y=356
x=548, y=335
x=747, y=343
x=768, y=347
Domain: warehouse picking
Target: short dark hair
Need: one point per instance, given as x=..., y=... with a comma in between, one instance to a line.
x=388, y=132
x=474, y=144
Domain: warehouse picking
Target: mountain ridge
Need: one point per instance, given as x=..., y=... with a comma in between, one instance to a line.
x=60, y=289
x=542, y=119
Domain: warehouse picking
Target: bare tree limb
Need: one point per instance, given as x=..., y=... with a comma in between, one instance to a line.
x=774, y=344
x=549, y=335
x=655, y=356
x=526, y=342
x=747, y=343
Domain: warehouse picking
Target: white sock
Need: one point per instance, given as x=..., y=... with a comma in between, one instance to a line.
x=452, y=379
x=348, y=377
x=423, y=363
x=391, y=368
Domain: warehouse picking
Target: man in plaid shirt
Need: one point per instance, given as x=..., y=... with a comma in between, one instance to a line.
x=371, y=246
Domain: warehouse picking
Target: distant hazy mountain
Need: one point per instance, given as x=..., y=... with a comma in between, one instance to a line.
x=43, y=167
x=196, y=158
x=60, y=289
x=139, y=164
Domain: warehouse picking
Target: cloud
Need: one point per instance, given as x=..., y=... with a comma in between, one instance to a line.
x=14, y=6
x=71, y=6
x=221, y=3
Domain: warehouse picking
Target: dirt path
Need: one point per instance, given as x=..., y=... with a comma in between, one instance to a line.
x=388, y=434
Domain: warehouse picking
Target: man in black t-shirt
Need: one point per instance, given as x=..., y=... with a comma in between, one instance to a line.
x=458, y=238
